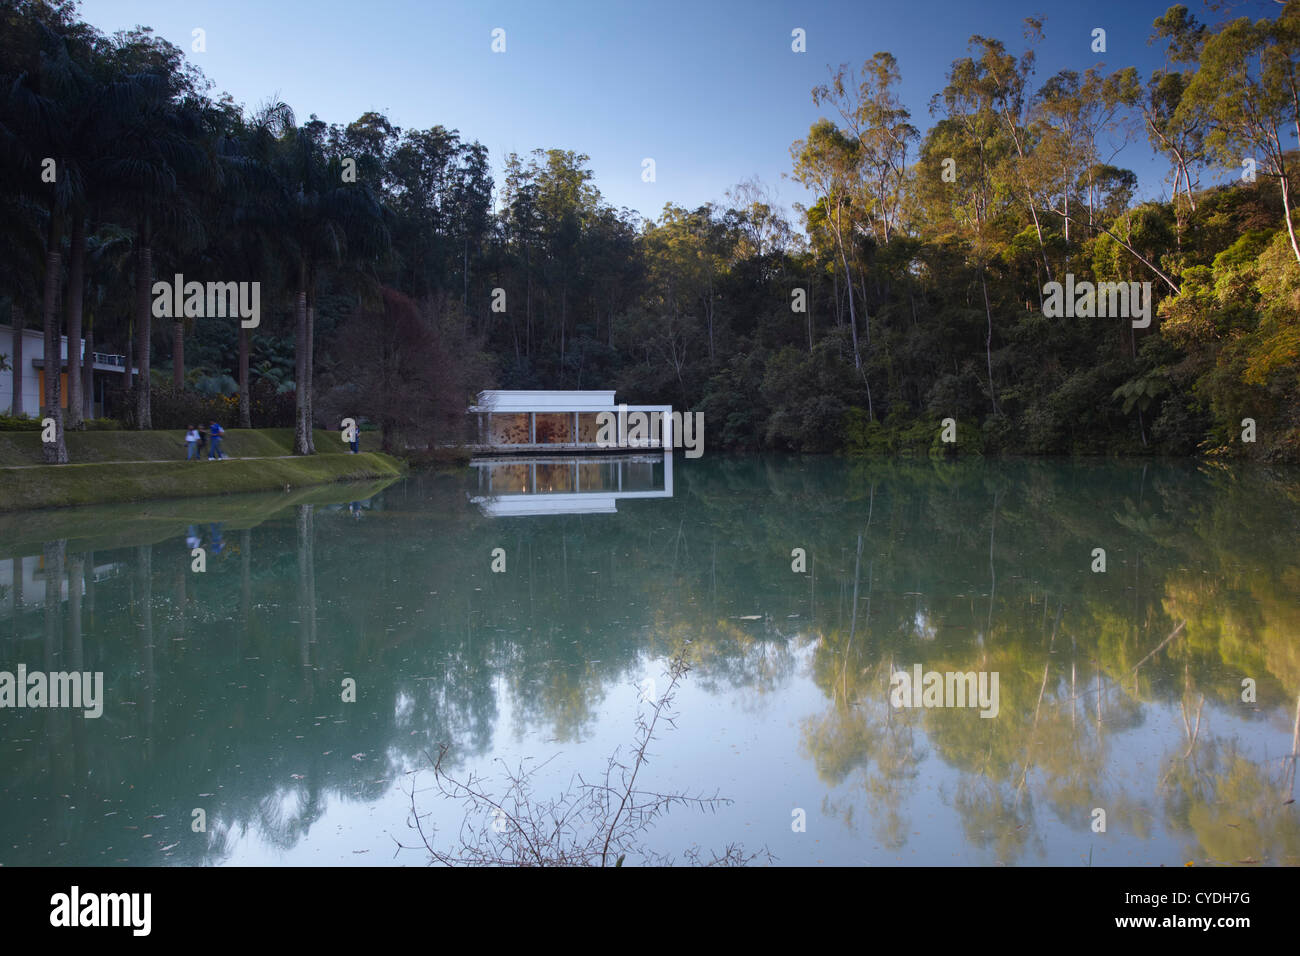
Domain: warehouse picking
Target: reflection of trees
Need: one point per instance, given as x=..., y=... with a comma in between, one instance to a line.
x=995, y=817
x=1230, y=808
x=1066, y=689
x=865, y=743
x=954, y=566
x=306, y=584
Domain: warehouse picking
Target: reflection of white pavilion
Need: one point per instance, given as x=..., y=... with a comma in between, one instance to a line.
x=24, y=583
x=537, y=485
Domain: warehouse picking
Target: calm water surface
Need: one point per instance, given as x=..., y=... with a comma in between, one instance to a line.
x=223, y=688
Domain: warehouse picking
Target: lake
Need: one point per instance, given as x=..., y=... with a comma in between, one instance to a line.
x=296, y=688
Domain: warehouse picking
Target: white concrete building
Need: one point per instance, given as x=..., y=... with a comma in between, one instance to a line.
x=33, y=372
x=513, y=421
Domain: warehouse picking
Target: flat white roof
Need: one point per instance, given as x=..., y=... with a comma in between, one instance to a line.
x=523, y=400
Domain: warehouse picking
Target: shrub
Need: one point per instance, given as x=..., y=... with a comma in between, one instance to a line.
x=179, y=408
x=11, y=423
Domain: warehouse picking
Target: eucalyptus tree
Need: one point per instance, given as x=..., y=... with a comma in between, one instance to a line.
x=827, y=163
x=521, y=228
x=1074, y=112
x=566, y=199
x=472, y=201
x=1176, y=129
x=763, y=227
x=875, y=116
x=1248, y=87
x=439, y=189
x=989, y=95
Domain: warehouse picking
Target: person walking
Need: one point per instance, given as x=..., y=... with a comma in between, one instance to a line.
x=203, y=440
x=192, y=443
x=217, y=433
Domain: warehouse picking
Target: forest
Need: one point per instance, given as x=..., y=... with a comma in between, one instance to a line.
x=397, y=277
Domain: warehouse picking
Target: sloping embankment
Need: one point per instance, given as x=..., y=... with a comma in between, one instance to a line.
x=55, y=486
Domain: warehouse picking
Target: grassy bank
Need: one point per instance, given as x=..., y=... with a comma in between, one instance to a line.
x=24, y=447
x=102, y=482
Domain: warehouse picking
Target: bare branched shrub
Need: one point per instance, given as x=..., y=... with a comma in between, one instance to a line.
x=588, y=824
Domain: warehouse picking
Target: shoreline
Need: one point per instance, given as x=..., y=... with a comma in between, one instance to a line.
x=28, y=488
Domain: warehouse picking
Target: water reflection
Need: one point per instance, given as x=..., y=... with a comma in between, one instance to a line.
x=224, y=689
x=586, y=484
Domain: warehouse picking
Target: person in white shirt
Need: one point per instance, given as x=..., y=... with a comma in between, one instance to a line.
x=192, y=441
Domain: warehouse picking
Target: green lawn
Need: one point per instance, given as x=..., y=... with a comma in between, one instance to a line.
x=93, y=483
x=24, y=447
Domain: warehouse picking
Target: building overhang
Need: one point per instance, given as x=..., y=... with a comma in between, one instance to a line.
x=529, y=400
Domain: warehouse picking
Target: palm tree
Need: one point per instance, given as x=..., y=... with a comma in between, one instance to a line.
x=108, y=253
x=39, y=114
x=156, y=136
x=247, y=213
x=319, y=213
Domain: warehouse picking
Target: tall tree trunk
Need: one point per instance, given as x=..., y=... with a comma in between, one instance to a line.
x=311, y=371
x=853, y=321
x=76, y=293
x=1286, y=206
x=143, y=329
x=88, y=372
x=128, y=363
x=301, y=431
x=1029, y=197
x=17, y=322
x=848, y=281
x=245, y=412
x=988, y=342
x=178, y=353
x=812, y=286
x=1187, y=181
x=55, y=452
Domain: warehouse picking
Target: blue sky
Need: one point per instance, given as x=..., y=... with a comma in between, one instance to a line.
x=711, y=91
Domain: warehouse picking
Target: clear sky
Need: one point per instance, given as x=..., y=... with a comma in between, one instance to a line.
x=710, y=90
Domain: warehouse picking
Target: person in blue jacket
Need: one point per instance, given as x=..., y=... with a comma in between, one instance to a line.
x=215, y=434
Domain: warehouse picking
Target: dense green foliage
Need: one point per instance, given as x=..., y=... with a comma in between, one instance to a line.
x=920, y=268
